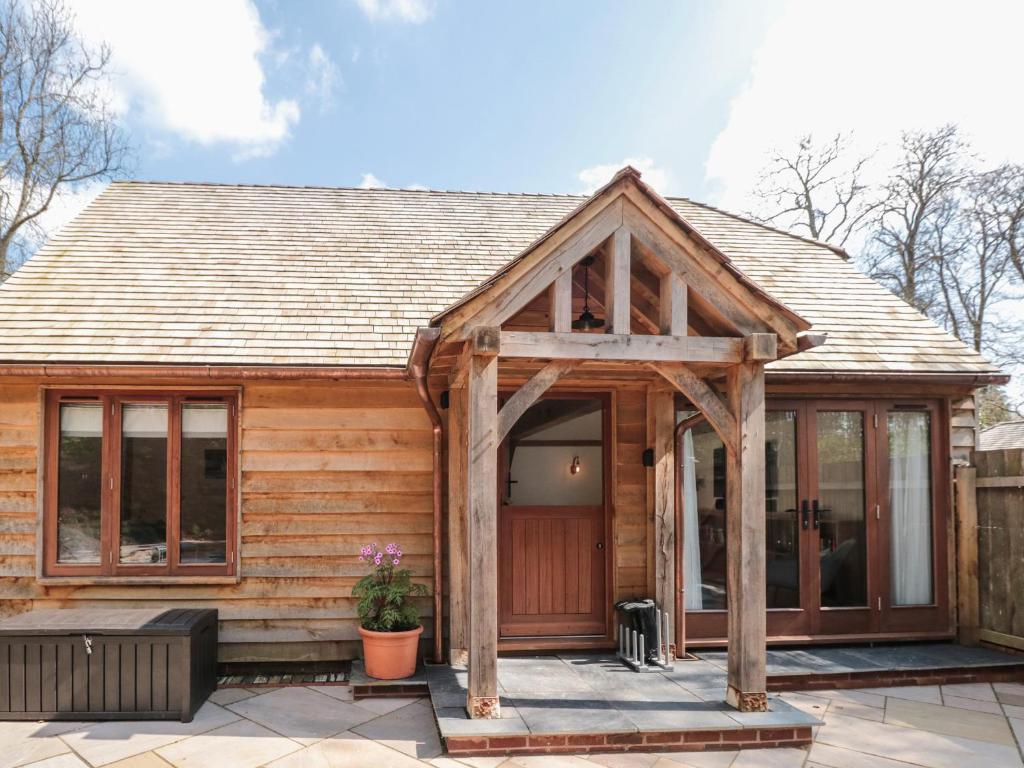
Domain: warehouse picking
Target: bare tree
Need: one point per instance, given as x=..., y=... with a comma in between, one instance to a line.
x=932, y=167
x=817, y=189
x=1007, y=206
x=56, y=128
x=970, y=260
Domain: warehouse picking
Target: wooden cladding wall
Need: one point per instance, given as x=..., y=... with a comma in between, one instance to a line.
x=630, y=494
x=1000, y=546
x=325, y=468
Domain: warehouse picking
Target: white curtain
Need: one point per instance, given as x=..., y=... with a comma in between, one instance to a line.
x=691, y=543
x=910, y=504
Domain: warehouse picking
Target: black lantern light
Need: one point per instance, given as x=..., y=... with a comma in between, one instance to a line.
x=586, y=321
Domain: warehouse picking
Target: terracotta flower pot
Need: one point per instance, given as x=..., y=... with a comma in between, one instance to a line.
x=390, y=655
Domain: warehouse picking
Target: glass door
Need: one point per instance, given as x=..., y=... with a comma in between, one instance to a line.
x=838, y=516
x=913, y=567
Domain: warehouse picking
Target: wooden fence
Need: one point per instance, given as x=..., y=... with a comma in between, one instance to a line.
x=990, y=538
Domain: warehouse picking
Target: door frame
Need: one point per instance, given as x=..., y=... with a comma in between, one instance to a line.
x=607, y=396
x=884, y=620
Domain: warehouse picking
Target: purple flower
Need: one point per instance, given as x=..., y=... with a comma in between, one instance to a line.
x=391, y=549
x=395, y=561
x=377, y=558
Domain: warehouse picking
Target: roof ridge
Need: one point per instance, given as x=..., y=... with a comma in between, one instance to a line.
x=327, y=188
x=430, y=190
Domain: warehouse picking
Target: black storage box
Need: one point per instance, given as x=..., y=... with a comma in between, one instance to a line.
x=107, y=664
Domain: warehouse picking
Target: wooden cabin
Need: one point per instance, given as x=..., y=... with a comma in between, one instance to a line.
x=213, y=395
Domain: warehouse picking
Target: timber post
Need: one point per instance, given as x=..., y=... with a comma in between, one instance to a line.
x=745, y=537
x=482, y=509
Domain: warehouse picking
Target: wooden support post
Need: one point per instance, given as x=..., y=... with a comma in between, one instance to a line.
x=617, y=282
x=560, y=300
x=458, y=575
x=672, y=305
x=745, y=537
x=967, y=590
x=482, y=507
x=662, y=405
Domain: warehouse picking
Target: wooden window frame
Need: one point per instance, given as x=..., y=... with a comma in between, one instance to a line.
x=112, y=402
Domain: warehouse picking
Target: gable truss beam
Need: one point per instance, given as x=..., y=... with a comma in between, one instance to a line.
x=615, y=346
x=529, y=393
x=617, y=282
x=519, y=294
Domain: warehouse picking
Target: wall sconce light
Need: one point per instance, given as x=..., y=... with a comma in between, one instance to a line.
x=574, y=468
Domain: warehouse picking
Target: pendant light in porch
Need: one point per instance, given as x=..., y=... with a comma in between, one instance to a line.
x=586, y=321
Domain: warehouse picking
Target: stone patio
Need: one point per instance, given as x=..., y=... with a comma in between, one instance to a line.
x=978, y=725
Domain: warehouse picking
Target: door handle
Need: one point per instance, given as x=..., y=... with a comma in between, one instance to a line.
x=817, y=514
x=804, y=515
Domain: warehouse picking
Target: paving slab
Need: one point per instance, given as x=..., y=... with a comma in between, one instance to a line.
x=570, y=713
x=28, y=742
x=346, y=750
x=301, y=714
x=107, y=742
x=243, y=744
x=968, y=724
x=411, y=730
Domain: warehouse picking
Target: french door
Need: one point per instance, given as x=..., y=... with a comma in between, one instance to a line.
x=854, y=528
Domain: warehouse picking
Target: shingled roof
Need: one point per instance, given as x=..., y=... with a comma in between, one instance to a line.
x=261, y=275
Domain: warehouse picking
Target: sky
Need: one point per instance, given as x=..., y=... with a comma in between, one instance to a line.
x=541, y=96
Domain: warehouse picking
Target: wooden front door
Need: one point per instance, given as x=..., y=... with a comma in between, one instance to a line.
x=553, y=522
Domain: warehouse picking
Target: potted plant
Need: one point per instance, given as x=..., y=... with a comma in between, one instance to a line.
x=389, y=620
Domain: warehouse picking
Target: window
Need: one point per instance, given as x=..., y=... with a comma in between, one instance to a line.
x=140, y=483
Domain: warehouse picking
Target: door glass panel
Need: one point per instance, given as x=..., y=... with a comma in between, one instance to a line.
x=143, y=536
x=782, y=535
x=204, y=483
x=841, y=499
x=910, y=504
x=555, y=455
x=704, y=519
x=79, y=483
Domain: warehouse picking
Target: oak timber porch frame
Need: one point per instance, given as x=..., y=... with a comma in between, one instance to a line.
x=707, y=334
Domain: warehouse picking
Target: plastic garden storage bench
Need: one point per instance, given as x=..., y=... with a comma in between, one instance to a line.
x=100, y=664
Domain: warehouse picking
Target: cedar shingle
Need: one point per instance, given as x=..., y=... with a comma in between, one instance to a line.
x=206, y=274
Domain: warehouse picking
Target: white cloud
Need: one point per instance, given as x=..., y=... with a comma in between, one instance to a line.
x=874, y=68
x=598, y=175
x=323, y=77
x=193, y=68
x=372, y=182
x=410, y=11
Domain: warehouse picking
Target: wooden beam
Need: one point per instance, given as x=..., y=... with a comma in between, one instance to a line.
x=967, y=589
x=613, y=346
x=460, y=368
x=745, y=541
x=504, y=304
x=760, y=347
x=700, y=393
x=617, y=282
x=482, y=507
x=672, y=307
x=529, y=393
x=458, y=545
x=560, y=301
x=662, y=405
x=485, y=340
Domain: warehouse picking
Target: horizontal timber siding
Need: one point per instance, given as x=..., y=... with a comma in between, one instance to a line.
x=325, y=468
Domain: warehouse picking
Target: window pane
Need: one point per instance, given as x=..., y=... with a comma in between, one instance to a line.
x=79, y=483
x=204, y=483
x=555, y=455
x=782, y=535
x=843, y=558
x=143, y=484
x=910, y=502
x=704, y=521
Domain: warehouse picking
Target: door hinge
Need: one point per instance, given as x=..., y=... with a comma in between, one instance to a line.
x=111, y=482
x=879, y=602
x=875, y=418
x=878, y=511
